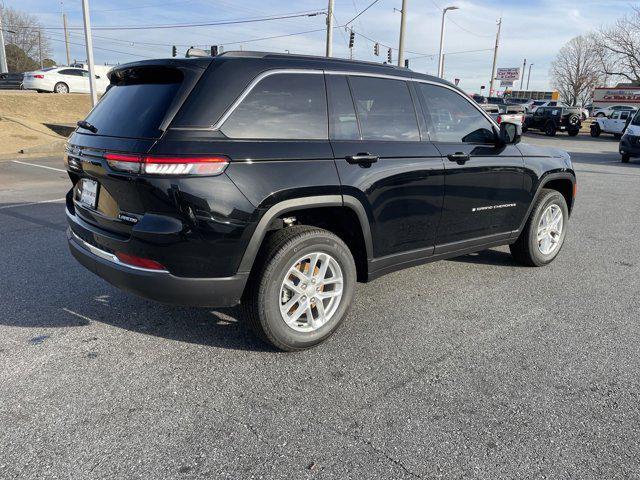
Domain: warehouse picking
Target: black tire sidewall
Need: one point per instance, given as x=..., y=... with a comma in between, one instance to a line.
x=549, y=198
x=269, y=295
x=550, y=129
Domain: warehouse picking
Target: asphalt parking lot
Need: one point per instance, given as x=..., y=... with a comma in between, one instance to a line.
x=468, y=368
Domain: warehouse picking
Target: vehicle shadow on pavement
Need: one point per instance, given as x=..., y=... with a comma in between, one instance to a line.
x=44, y=287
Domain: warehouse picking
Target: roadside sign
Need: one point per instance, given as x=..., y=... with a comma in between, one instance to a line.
x=508, y=74
x=506, y=83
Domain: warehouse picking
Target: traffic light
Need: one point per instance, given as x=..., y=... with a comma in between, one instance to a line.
x=174, y=51
x=406, y=63
x=376, y=49
x=389, y=58
x=214, y=50
x=352, y=38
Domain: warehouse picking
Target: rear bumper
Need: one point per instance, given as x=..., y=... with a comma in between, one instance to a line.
x=160, y=286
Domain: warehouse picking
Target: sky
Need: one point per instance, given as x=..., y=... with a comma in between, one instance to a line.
x=534, y=30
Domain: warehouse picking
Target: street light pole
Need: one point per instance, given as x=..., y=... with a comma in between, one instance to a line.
x=441, y=55
x=529, y=76
x=329, y=51
x=3, y=53
x=495, y=59
x=403, y=26
x=89, y=46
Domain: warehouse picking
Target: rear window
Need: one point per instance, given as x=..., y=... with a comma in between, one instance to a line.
x=136, y=102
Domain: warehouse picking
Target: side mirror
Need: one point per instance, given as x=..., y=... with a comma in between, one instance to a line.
x=510, y=133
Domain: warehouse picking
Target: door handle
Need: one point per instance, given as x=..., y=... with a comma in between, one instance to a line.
x=459, y=157
x=361, y=158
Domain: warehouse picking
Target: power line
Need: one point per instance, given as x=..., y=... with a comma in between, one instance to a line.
x=192, y=25
x=367, y=8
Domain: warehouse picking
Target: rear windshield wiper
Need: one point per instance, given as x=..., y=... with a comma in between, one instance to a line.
x=87, y=126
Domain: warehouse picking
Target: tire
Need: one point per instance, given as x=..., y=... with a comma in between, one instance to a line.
x=61, y=87
x=572, y=132
x=574, y=120
x=600, y=115
x=526, y=249
x=596, y=130
x=625, y=158
x=550, y=129
x=617, y=136
x=524, y=129
x=264, y=292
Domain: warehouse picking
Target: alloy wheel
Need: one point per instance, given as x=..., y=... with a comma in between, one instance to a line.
x=311, y=291
x=550, y=229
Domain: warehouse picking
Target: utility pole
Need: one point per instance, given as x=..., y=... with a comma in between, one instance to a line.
x=89, y=46
x=529, y=76
x=495, y=59
x=329, y=51
x=66, y=36
x=40, y=48
x=3, y=53
x=442, y=66
x=403, y=26
x=524, y=68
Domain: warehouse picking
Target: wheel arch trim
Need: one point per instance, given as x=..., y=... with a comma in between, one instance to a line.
x=548, y=177
x=260, y=232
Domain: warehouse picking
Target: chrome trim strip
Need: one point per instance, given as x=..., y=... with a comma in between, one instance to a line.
x=268, y=73
x=109, y=256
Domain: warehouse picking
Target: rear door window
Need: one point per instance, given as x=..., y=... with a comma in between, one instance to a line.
x=291, y=106
x=453, y=118
x=385, y=109
x=136, y=103
x=343, y=124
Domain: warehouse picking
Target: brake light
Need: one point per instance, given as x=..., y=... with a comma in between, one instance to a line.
x=140, y=262
x=38, y=76
x=167, y=165
x=499, y=119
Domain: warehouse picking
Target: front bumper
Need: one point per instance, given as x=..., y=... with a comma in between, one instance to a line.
x=630, y=145
x=160, y=286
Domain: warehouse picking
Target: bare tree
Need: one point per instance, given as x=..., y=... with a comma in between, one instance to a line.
x=575, y=71
x=25, y=44
x=618, y=47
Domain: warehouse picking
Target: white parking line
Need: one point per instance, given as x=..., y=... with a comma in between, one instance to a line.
x=78, y=315
x=41, y=166
x=32, y=203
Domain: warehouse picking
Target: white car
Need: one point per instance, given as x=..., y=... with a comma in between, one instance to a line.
x=606, y=111
x=614, y=123
x=63, y=80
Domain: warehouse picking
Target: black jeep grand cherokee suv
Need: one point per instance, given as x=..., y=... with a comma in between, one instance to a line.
x=278, y=181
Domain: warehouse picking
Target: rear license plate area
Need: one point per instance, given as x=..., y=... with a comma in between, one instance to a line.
x=88, y=193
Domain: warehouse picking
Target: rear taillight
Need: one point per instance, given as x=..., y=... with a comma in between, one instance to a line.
x=167, y=165
x=38, y=76
x=139, y=262
x=499, y=119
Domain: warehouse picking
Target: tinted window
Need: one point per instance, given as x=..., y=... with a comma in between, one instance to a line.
x=342, y=115
x=385, y=109
x=283, y=106
x=70, y=71
x=454, y=118
x=136, y=103
x=636, y=119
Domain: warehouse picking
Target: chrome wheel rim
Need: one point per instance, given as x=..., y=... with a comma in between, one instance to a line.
x=550, y=229
x=311, y=291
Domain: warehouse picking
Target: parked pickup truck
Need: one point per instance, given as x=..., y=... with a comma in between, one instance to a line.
x=505, y=113
x=616, y=123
